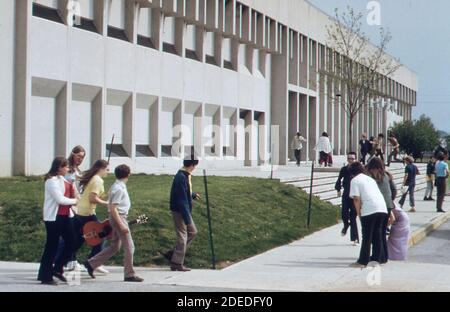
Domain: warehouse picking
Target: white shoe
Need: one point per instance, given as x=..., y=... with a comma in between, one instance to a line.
x=355, y=243
x=71, y=266
x=101, y=269
x=79, y=267
x=373, y=264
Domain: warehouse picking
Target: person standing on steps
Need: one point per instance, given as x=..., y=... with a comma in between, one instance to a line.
x=409, y=183
x=364, y=148
x=431, y=173
x=395, y=149
x=297, y=146
x=325, y=149
x=348, y=209
x=441, y=180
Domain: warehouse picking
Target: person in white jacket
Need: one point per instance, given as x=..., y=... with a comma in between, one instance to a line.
x=325, y=150
x=59, y=197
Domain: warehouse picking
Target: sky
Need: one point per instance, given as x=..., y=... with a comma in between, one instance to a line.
x=421, y=40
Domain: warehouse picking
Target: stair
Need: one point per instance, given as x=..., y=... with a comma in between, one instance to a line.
x=324, y=182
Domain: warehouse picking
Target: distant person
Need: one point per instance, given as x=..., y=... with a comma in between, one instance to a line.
x=441, y=180
x=409, y=183
x=297, y=146
x=348, y=209
x=59, y=197
x=379, y=150
x=395, y=149
x=431, y=175
x=364, y=148
x=386, y=185
x=325, y=150
x=181, y=197
x=399, y=235
x=371, y=208
x=373, y=147
x=119, y=206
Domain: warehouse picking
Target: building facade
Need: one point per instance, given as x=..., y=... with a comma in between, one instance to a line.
x=231, y=81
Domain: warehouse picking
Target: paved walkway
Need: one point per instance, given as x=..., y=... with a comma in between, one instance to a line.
x=318, y=262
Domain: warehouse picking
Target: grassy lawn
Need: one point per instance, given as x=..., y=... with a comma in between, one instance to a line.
x=249, y=216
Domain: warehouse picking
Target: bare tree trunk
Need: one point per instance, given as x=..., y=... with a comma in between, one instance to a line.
x=350, y=134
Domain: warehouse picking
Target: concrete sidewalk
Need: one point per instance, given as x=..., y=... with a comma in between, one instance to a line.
x=319, y=262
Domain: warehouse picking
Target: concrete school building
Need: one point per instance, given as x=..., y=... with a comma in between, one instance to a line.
x=230, y=80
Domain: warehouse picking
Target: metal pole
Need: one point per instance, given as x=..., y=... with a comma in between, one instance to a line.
x=310, y=194
x=209, y=220
x=110, y=148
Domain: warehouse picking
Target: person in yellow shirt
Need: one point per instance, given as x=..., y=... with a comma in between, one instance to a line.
x=92, y=193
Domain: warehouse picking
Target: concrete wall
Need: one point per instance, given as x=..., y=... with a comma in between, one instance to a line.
x=7, y=26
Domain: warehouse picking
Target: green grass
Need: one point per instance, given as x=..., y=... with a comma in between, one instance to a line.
x=249, y=216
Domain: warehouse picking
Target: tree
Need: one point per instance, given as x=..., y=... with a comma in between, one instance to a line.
x=360, y=67
x=416, y=137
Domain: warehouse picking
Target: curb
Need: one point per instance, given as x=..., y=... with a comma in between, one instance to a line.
x=418, y=235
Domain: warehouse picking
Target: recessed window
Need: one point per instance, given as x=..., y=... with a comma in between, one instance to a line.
x=47, y=13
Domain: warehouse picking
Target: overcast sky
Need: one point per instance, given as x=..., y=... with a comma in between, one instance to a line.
x=421, y=39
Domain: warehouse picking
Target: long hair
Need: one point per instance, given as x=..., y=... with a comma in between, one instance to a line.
x=58, y=163
x=376, y=169
x=88, y=175
x=76, y=150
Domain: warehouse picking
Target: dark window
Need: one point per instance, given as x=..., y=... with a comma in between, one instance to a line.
x=211, y=60
x=166, y=150
x=117, y=33
x=169, y=48
x=228, y=65
x=86, y=24
x=47, y=13
x=144, y=151
x=145, y=41
x=116, y=151
x=192, y=55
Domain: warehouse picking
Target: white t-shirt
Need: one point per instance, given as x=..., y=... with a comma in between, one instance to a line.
x=366, y=188
x=119, y=196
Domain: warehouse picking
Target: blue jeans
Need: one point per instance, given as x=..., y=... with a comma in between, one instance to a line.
x=410, y=191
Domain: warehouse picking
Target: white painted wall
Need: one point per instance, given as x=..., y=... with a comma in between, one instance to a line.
x=48, y=3
x=7, y=82
x=87, y=8
x=114, y=123
x=80, y=128
x=42, y=138
x=117, y=13
x=142, y=123
x=169, y=30
x=145, y=22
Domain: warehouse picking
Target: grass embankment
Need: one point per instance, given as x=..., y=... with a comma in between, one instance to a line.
x=249, y=216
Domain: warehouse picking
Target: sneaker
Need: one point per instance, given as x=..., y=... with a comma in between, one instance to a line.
x=179, y=267
x=355, y=243
x=426, y=198
x=431, y=199
x=135, y=279
x=373, y=264
x=344, y=231
x=441, y=211
x=79, y=267
x=89, y=269
x=412, y=210
x=60, y=276
x=357, y=265
x=71, y=265
x=101, y=269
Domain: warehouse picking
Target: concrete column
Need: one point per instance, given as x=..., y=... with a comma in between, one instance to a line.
x=178, y=151
x=337, y=120
x=293, y=120
x=279, y=98
x=304, y=129
x=199, y=150
x=131, y=20
x=98, y=126
x=100, y=16
x=154, y=128
x=22, y=91
x=312, y=132
x=62, y=108
x=322, y=102
x=262, y=139
x=129, y=110
x=233, y=136
x=248, y=138
x=217, y=139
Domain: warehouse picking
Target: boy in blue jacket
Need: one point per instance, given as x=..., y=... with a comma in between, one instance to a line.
x=181, y=197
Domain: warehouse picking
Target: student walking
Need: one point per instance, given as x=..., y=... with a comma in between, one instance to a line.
x=118, y=208
x=325, y=149
x=386, y=185
x=371, y=207
x=93, y=189
x=364, y=148
x=297, y=146
x=409, y=183
x=441, y=180
x=395, y=149
x=59, y=197
x=181, y=197
x=348, y=209
x=431, y=173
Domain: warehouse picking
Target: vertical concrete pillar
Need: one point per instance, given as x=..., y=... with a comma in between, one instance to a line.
x=22, y=90
x=293, y=120
x=98, y=126
x=155, y=145
x=62, y=104
x=312, y=129
x=128, y=141
x=262, y=139
x=303, y=119
x=101, y=17
x=217, y=139
x=131, y=20
x=248, y=119
x=178, y=151
x=198, y=143
x=279, y=97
